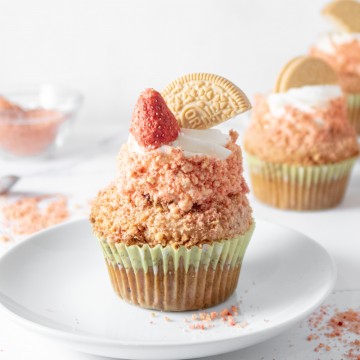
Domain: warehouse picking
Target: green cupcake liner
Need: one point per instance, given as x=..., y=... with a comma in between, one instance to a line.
x=297, y=187
x=176, y=279
x=303, y=175
x=223, y=253
x=353, y=110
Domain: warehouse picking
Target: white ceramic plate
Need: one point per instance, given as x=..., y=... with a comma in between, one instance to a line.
x=56, y=283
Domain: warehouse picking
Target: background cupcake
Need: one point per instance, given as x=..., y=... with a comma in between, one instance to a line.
x=175, y=223
x=300, y=146
x=341, y=50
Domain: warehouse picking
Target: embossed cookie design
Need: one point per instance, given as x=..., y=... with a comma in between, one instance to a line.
x=305, y=71
x=201, y=101
x=345, y=14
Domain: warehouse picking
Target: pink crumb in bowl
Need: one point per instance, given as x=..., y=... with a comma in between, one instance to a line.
x=35, y=121
x=30, y=133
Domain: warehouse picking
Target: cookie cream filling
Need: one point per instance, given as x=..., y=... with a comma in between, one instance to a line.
x=327, y=43
x=193, y=142
x=306, y=99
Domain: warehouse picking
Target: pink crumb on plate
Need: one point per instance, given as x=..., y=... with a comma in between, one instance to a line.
x=29, y=214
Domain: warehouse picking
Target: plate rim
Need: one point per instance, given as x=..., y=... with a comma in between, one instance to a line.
x=103, y=341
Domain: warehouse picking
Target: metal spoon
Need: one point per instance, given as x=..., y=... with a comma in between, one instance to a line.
x=7, y=182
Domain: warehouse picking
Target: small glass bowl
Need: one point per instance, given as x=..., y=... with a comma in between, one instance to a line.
x=35, y=122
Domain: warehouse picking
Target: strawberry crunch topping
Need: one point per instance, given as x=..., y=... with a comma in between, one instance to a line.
x=153, y=124
x=297, y=137
x=6, y=105
x=166, y=198
x=27, y=131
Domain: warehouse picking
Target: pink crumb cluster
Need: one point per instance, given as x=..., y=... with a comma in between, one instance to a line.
x=179, y=180
x=26, y=215
x=205, y=320
x=27, y=131
x=168, y=198
x=9, y=106
x=345, y=59
x=301, y=138
x=4, y=238
x=337, y=330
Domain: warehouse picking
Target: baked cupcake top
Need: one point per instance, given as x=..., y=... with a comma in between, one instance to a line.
x=173, y=186
x=342, y=52
x=304, y=125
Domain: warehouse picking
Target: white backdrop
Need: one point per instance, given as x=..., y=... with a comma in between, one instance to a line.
x=111, y=50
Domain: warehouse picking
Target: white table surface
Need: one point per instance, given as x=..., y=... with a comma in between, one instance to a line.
x=336, y=229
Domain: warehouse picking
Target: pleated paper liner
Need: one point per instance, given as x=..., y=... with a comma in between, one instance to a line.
x=170, y=279
x=353, y=110
x=296, y=187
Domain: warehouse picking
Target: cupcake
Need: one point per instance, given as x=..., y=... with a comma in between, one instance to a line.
x=175, y=223
x=300, y=146
x=341, y=50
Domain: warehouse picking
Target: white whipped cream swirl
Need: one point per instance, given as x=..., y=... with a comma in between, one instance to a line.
x=328, y=42
x=306, y=99
x=193, y=142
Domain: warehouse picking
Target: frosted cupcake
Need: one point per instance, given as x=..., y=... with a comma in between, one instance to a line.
x=300, y=146
x=175, y=223
x=341, y=50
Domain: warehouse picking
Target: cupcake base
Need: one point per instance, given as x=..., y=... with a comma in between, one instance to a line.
x=353, y=110
x=178, y=290
x=295, y=187
x=176, y=279
x=290, y=196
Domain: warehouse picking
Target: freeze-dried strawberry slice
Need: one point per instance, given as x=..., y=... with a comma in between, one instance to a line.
x=153, y=124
